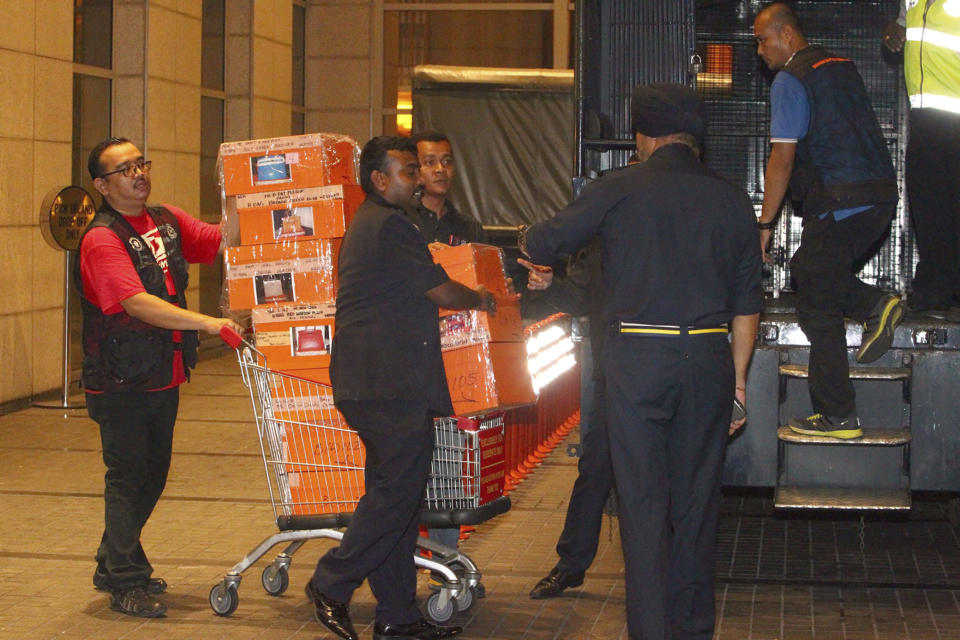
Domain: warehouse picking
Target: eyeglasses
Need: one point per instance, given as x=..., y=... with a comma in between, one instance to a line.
x=130, y=169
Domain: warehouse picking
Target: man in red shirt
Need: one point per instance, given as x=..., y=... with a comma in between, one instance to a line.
x=139, y=344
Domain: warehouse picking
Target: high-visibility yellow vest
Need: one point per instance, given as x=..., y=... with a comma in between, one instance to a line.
x=932, y=54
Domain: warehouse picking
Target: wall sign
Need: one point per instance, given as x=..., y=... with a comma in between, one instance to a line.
x=64, y=215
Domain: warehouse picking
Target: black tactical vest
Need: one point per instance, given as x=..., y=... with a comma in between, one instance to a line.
x=843, y=162
x=121, y=353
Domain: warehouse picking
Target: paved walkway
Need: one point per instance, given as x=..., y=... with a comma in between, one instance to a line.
x=777, y=579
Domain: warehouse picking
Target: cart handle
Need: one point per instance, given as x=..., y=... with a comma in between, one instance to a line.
x=229, y=335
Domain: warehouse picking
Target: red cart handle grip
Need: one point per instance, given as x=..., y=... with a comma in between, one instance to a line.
x=229, y=335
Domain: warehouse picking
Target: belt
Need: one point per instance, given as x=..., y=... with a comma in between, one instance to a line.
x=667, y=330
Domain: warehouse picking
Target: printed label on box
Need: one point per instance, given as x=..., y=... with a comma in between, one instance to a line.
x=252, y=269
x=265, y=144
x=289, y=312
x=289, y=197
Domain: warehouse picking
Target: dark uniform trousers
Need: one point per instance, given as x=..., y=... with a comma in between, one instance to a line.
x=581, y=530
x=933, y=185
x=669, y=405
x=827, y=291
x=382, y=536
x=136, y=433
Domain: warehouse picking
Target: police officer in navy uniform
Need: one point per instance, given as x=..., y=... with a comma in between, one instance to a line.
x=681, y=268
x=579, y=293
x=389, y=383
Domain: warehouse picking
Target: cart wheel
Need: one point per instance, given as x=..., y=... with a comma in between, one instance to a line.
x=223, y=600
x=481, y=591
x=275, y=580
x=464, y=599
x=438, y=613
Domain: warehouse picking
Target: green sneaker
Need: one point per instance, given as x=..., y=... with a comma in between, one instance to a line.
x=879, y=327
x=821, y=425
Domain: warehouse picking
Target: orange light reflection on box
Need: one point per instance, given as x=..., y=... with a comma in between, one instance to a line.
x=487, y=376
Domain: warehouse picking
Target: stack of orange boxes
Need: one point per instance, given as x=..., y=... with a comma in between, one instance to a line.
x=485, y=355
x=293, y=199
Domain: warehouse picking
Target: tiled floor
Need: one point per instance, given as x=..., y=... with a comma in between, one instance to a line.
x=777, y=578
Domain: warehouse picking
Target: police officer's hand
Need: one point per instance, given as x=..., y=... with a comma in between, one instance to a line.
x=894, y=36
x=741, y=394
x=540, y=277
x=765, y=243
x=487, y=302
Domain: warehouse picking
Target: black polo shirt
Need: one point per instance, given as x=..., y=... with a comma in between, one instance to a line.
x=386, y=343
x=451, y=228
x=679, y=243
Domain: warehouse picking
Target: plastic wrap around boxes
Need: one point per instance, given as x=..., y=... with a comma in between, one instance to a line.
x=289, y=201
x=485, y=356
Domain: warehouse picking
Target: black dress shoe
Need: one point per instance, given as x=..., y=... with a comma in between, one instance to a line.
x=421, y=630
x=137, y=602
x=331, y=614
x=554, y=584
x=154, y=586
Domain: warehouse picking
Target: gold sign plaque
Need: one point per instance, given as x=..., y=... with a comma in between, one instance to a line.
x=64, y=214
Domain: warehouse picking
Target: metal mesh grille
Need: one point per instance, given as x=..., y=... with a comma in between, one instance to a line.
x=628, y=43
x=737, y=144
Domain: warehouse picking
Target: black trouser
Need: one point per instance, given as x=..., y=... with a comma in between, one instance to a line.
x=382, y=536
x=581, y=530
x=933, y=187
x=136, y=432
x=827, y=290
x=669, y=401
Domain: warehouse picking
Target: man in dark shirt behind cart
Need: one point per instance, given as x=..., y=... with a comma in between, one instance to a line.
x=680, y=269
x=389, y=383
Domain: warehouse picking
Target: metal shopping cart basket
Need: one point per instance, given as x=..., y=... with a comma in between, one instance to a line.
x=314, y=467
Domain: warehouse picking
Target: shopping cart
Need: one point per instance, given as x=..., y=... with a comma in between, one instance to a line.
x=314, y=467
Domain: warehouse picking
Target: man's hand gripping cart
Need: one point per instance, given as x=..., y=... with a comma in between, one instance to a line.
x=314, y=467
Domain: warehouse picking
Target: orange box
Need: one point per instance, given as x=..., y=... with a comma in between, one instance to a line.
x=474, y=264
x=304, y=272
x=294, y=336
x=459, y=328
x=487, y=376
x=295, y=214
x=319, y=447
x=318, y=492
x=291, y=162
x=320, y=374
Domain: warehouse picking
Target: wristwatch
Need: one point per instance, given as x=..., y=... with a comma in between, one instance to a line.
x=766, y=226
x=522, y=239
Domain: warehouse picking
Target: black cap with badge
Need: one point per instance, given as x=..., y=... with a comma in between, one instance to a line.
x=664, y=108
